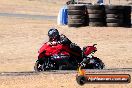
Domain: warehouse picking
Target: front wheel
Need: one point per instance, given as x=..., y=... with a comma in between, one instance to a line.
x=98, y=64
x=94, y=63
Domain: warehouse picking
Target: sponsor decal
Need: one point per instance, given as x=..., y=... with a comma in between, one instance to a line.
x=83, y=78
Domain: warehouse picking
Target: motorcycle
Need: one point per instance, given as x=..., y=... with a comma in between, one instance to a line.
x=62, y=57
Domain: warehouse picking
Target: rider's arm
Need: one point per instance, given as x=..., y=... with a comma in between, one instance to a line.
x=64, y=40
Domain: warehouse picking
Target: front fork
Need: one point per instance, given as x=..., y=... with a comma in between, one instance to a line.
x=87, y=59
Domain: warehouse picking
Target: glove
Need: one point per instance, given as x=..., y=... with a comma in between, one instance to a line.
x=52, y=43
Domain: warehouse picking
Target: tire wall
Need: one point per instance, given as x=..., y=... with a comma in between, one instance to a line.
x=76, y=15
x=99, y=15
x=118, y=16
x=96, y=15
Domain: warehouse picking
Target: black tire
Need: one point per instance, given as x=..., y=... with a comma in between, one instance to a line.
x=70, y=21
x=76, y=25
x=90, y=11
x=114, y=20
x=45, y=64
x=109, y=11
x=115, y=16
x=96, y=20
x=76, y=17
x=98, y=64
x=95, y=7
x=76, y=7
x=81, y=80
x=97, y=24
x=76, y=12
x=114, y=25
x=96, y=16
x=38, y=66
x=114, y=7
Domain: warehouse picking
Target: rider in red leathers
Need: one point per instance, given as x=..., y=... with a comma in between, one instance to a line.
x=56, y=38
x=60, y=53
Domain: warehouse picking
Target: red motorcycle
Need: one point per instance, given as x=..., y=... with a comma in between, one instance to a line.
x=62, y=57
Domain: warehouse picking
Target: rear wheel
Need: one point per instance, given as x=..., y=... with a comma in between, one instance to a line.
x=44, y=65
x=38, y=66
x=48, y=65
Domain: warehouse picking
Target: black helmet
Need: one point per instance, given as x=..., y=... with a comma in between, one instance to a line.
x=53, y=33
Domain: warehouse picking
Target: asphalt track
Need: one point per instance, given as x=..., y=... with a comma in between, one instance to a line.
x=29, y=16
x=65, y=72
x=34, y=17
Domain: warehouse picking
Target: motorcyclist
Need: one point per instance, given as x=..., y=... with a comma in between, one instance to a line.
x=56, y=38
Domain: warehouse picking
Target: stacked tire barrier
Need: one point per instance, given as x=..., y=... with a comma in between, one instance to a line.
x=96, y=15
x=127, y=16
x=76, y=15
x=99, y=15
x=114, y=16
x=118, y=16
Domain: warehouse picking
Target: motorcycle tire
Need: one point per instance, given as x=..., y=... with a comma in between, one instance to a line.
x=48, y=65
x=38, y=66
x=98, y=64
